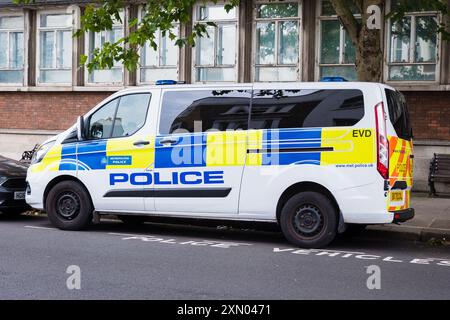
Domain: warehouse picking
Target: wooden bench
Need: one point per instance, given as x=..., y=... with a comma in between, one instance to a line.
x=439, y=171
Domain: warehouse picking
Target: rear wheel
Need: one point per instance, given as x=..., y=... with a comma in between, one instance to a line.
x=69, y=206
x=309, y=220
x=132, y=220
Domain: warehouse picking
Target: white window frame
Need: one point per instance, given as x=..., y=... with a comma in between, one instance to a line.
x=299, y=64
x=412, y=49
x=319, y=20
x=87, y=53
x=234, y=22
x=38, y=47
x=25, y=46
x=158, y=55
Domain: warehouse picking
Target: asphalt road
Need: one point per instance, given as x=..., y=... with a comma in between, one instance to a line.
x=160, y=261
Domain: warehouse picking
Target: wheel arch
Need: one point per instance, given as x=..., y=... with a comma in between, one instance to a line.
x=59, y=179
x=301, y=187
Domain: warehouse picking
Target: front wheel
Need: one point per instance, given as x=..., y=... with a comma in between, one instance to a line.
x=309, y=220
x=69, y=206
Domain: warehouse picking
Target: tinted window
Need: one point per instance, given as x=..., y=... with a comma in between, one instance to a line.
x=131, y=114
x=398, y=113
x=273, y=109
x=202, y=110
x=126, y=114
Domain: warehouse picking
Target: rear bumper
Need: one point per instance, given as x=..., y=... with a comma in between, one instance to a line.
x=403, y=215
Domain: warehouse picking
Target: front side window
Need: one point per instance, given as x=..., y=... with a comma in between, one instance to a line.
x=215, y=54
x=11, y=49
x=277, y=109
x=131, y=114
x=337, y=52
x=55, y=48
x=277, y=41
x=412, y=46
x=203, y=110
x=97, y=40
x=101, y=122
x=121, y=117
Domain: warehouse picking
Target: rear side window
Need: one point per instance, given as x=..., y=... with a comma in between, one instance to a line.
x=398, y=113
x=203, y=110
x=273, y=109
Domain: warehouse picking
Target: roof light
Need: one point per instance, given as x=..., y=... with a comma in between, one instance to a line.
x=164, y=82
x=333, y=79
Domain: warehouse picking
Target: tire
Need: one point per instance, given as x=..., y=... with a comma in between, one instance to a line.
x=69, y=206
x=309, y=220
x=353, y=230
x=132, y=220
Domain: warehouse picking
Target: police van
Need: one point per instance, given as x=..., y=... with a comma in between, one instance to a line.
x=317, y=158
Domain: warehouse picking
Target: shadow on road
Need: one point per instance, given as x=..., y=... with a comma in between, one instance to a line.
x=14, y=218
x=263, y=233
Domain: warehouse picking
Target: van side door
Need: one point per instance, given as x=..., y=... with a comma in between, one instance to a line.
x=200, y=149
x=117, y=150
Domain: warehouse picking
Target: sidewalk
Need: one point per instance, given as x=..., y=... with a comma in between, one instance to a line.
x=431, y=221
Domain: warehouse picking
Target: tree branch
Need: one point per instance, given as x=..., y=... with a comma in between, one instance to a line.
x=347, y=19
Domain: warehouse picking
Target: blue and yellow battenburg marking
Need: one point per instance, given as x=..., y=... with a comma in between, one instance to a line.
x=326, y=146
x=400, y=169
x=118, y=153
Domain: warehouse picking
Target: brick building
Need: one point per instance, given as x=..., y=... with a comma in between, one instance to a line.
x=43, y=88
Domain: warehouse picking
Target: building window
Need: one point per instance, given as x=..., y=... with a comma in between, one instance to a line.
x=277, y=41
x=55, y=48
x=11, y=49
x=96, y=40
x=413, y=53
x=161, y=63
x=336, y=50
x=215, y=54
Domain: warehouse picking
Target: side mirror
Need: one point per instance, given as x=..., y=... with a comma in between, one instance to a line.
x=80, y=129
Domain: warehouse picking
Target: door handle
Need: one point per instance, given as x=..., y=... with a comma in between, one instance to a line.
x=169, y=141
x=141, y=143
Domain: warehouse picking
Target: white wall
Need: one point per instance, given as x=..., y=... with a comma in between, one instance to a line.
x=14, y=142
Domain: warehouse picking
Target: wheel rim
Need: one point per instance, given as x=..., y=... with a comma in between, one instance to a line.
x=68, y=205
x=308, y=220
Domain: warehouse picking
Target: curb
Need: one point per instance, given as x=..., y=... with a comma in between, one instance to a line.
x=401, y=232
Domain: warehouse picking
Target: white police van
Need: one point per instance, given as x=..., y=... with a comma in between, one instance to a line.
x=318, y=158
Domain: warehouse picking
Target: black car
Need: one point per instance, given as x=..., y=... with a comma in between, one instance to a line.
x=12, y=186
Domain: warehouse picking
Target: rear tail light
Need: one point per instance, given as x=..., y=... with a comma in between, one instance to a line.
x=382, y=141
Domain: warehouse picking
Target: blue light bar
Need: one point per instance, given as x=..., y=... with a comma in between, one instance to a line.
x=164, y=82
x=333, y=79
